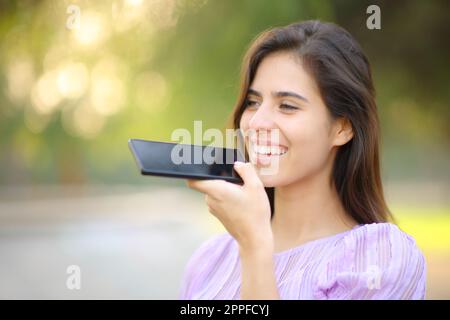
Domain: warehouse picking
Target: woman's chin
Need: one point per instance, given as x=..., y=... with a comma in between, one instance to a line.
x=269, y=180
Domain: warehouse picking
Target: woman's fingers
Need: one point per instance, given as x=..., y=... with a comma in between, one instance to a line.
x=248, y=174
x=211, y=187
x=200, y=185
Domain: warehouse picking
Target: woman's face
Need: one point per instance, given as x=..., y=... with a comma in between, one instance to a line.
x=283, y=98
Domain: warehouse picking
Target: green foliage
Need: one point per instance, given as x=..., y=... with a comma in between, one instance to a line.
x=159, y=66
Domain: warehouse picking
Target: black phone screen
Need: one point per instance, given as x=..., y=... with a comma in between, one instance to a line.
x=185, y=160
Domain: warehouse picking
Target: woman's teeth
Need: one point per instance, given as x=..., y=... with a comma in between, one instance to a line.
x=269, y=150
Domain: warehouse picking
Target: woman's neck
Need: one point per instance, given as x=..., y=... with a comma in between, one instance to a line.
x=307, y=210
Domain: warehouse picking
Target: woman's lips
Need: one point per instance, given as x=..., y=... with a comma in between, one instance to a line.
x=269, y=149
x=264, y=154
x=265, y=142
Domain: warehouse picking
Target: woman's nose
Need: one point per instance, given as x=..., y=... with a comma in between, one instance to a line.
x=261, y=119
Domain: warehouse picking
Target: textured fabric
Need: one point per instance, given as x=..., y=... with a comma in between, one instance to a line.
x=371, y=261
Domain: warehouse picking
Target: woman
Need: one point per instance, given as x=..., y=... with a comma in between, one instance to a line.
x=317, y=228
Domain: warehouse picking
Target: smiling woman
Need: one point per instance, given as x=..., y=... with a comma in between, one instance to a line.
x=318, y=227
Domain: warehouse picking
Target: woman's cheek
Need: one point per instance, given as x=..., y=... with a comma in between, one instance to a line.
x=307, y=152
x=245, y=118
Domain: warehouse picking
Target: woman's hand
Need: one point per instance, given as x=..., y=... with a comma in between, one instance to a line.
x=243, y=210
x=245, y=213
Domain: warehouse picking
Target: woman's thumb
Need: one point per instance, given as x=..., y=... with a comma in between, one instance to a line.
x=247, y=173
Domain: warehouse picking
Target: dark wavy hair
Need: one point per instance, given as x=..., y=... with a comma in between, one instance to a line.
x=343, y=75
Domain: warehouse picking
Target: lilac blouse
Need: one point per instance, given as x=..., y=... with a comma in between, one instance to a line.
x=370, y=261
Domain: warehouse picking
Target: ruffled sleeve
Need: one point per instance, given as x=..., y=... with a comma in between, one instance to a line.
x=375, y=261
x=198, y=264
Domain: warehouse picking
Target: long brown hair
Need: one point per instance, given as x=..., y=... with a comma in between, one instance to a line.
x=343, y=75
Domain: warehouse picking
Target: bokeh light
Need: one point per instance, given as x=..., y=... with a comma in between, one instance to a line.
x=20, y=77
x=45, y=95
x=107, y=88
x=151, y=92
x=73, y=79
x=83, y=120
x=93, y=29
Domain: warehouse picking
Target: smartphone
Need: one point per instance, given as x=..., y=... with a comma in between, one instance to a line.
x=186, y=161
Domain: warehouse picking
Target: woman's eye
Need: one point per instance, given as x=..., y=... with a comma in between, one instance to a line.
x=254, y=103
x=288, y=107
x=251, y=103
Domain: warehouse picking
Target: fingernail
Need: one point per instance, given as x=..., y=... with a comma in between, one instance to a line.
x=238, y=163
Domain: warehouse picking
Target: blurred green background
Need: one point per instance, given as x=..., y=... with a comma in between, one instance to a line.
x=72, y=92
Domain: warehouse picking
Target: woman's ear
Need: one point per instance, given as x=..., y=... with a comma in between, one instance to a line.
x=343, y=132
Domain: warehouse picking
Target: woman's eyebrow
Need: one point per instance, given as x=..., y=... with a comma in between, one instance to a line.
x=279, y=94
x=289, y=94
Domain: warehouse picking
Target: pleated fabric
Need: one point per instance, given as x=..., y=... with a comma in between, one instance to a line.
x=370, y=261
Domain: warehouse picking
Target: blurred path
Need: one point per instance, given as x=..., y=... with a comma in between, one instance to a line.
x=129, y=242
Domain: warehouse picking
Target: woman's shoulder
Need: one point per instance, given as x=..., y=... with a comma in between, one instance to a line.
x=382, y=244
x=377, y=256
x=381, y=228
x=381, y=234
